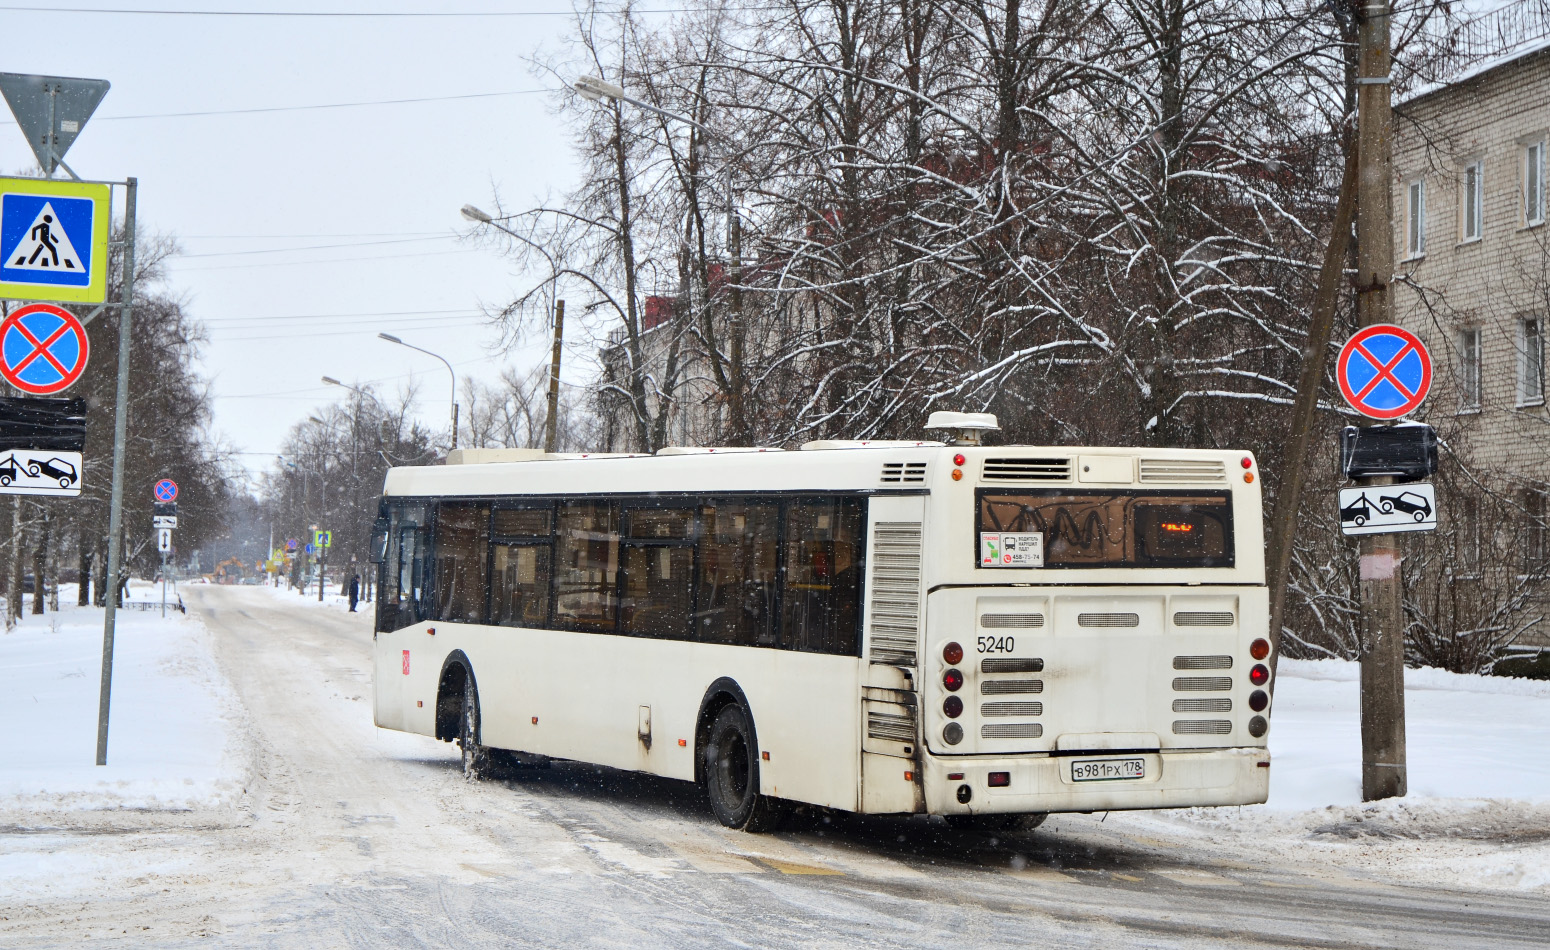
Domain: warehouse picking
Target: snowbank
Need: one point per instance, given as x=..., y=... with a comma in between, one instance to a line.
x=174, y=735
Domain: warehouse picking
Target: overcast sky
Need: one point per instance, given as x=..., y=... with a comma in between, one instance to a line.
x=307, y=231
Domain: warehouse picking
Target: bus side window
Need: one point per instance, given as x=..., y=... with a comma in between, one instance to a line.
x=738, y=555
x=820, y=611
x=402, y=571
x=462, y=547
x=520, y=577
x=658, y=561
x=586, y=571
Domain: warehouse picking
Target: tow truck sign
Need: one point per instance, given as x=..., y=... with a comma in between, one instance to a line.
x=1383, y=509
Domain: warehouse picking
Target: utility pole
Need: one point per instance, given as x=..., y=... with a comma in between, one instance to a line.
x=1382, y=618
x=554, y=377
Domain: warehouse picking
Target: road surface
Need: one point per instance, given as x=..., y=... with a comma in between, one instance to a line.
x=359, y=838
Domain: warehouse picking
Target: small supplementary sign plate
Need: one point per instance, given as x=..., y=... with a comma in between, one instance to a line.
x=1011, y=549
x=1108, y=770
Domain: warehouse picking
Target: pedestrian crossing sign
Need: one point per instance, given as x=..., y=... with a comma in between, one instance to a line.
x=54, y=240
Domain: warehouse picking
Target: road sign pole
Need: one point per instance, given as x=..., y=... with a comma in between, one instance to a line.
x=1381, y=624
x=116, y=506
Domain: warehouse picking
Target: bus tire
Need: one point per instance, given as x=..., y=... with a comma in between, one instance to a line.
x=731, y=773
x=476, y=760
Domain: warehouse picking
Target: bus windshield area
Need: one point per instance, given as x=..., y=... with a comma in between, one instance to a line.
x=1113, y=529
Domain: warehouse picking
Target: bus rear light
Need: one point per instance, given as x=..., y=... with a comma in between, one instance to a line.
x=1258, y=700
x=959, y=459
x=953, y=680
x=1259, y=675
x=1248, y=477
x=955, y=776
x=957, y=474
x=952, y=733
x=953, y=707
x=953, y=653
x=1258, y=726
x=999, y=779
x=1259, y=649
x=1248, y=462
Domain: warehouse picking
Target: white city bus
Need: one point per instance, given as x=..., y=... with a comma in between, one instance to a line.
x=983, y=633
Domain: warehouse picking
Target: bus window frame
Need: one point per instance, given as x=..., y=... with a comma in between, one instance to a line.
x=505, y=503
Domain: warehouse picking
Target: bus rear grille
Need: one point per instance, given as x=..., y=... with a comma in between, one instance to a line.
x=893, y=613
x=1203, y=618
x=1201, y=727
x=1202, y=684
x=880, y=725
x=896, y=473
x=995, y=621
x=1183, y=470
x=1026, y=470
x=1009, y=687
x=1005, y=710
x=1202, y=662
x=1011, y=730
x=1031, y=664
x=1211, y=704
x=1108, y=620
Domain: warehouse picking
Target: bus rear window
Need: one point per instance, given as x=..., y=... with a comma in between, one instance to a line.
x=1055, y=528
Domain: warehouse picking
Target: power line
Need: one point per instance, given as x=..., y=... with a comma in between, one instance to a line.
x=313, y=107
x=318, y=247
x=328, y=316
x=323, y=14
x=331, y=260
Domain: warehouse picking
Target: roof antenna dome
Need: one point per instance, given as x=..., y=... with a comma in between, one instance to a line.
x=963, y=428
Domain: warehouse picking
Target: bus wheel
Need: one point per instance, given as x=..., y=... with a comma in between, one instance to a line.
x=731, y=771
x=475, y=759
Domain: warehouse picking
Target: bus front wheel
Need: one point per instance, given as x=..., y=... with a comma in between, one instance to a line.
x=731, y=774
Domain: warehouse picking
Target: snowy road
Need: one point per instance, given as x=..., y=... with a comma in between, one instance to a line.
x=355, y=837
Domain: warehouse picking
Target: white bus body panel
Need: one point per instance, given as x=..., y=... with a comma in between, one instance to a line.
x=586, y=691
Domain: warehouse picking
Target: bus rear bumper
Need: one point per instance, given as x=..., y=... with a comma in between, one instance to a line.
x=1045, y=783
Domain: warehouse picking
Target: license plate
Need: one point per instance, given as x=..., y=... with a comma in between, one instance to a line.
x=1107, y=770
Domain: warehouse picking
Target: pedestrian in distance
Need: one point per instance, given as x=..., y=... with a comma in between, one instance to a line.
x=355, y=591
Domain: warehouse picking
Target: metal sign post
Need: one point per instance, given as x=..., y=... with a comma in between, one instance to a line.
x=120, y=438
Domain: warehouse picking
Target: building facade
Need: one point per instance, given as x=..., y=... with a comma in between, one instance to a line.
x=1473, y=281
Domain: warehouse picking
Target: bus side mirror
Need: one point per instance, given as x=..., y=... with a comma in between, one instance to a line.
x=377, y=553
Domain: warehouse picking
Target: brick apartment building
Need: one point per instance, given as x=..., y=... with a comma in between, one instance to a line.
x=1473, y=253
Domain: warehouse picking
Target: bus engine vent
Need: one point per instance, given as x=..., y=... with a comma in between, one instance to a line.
x=1007, y=687
x=1009, y=664
x=1208, y=704
x=1203, y=618
x=1026, y=470
x=1004, y=710
x=1108, y=620
x=890, y=727
x=1011, y=620
x=895, y=473
x=1011, y=730
x=894, y=609
x=1201, y=727
x=1202, y=662
x=1198, y=471
x=1202, y=684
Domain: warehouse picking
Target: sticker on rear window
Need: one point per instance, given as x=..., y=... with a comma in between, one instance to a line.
x=1011, y=549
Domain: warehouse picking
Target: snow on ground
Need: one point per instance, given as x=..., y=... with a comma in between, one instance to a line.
x=308, y=597
x=175, y=736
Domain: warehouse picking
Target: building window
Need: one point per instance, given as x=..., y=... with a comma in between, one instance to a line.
x=1531, y=361
x=1534, y=183
x=1415, y=219
x=1469, y=369
x=1536, y=544
x=1471, y=201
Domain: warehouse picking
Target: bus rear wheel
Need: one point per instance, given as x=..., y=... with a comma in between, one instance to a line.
x=731, y=774
x=476, y=760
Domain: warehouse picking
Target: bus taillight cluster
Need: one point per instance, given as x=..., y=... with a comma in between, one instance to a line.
x=952, y=680
x=1259, y=675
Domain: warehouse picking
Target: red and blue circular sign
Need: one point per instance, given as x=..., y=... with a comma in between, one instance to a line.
x=1384, y=371
x=166, y=490
x=43, y=349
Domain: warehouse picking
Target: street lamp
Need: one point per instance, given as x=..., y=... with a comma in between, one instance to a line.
x=393, y=339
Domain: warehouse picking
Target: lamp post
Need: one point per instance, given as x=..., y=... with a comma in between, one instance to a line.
x=596, y=90
x=393, y=339
x=481, y=217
